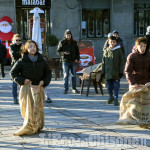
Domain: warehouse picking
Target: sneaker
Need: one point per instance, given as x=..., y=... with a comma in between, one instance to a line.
x=75, y=91
x=48, y=100
x=116, y=102
x=16, y=101
x=110, y=100
x=65, y=91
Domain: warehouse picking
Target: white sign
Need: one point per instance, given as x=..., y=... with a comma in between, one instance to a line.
x=83, y=24
x=33, y=2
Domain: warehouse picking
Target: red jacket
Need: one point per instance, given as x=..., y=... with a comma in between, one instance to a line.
x=137, y=68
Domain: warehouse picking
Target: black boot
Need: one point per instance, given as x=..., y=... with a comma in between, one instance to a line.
x=110, y=100
x=3, y=75
x=116, y=103
x=48, y=100
x=16, y=101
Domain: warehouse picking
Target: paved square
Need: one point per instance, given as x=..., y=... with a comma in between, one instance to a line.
x=72, y=121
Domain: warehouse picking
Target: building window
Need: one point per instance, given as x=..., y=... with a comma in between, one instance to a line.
x=141, y=18
x=95, y=23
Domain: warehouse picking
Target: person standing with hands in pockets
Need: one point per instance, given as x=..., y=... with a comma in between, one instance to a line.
x=15, y=53
x=33, y=74
x=112, y=69
x=69, y=52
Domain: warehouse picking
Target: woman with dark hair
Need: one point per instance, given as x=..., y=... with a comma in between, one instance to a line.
x=15, y=53
x=32, y=72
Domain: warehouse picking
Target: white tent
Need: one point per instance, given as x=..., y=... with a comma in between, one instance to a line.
x=36, y=30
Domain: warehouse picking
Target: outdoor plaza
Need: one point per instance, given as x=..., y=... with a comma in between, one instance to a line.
x=72, y=121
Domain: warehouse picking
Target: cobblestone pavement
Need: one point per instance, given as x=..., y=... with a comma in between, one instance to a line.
x=72, y=122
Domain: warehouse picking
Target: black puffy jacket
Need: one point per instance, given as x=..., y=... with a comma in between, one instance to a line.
x=24, y=68
x=3, y=51
x=72, y=47
x=14, y=51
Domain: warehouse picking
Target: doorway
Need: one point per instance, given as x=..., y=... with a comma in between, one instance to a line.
x=24, y=21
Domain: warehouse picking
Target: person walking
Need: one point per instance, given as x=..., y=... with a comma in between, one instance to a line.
x=3, y=53
x=32, y=73
x=15, y=53
x=69, y=52
x=112, y=69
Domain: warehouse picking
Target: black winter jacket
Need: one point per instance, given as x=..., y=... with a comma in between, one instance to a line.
x=24, y=68
x=3, y=51
x=72, y=47
x=14, y=51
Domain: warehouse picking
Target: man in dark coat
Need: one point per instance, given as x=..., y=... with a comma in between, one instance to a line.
x=69, y=52
x=3, y=53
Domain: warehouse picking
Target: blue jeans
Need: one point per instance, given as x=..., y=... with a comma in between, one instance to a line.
x=113, y=85
x=14, y=90
x=66, y=68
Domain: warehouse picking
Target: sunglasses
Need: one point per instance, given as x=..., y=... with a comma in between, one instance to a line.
x=18, y=40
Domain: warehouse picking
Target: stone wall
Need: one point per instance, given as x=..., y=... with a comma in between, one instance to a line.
x=121, y=19
x=63, y=18
x=7, y=8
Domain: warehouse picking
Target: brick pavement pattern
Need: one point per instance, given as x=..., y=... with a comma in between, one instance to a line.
x=72, y=121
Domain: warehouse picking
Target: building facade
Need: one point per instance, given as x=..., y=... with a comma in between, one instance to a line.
x=87, y=19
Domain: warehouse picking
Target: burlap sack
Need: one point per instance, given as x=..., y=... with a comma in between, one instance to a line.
x=135, y=107
x=31, y=100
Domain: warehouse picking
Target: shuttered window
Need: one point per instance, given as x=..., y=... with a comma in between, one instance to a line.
x=141, y=18
x=95, y=23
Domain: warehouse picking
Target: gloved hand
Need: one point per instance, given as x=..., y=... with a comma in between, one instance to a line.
x=120, y=75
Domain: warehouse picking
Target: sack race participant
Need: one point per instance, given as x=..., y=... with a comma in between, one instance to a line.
x=33, y=74
x=31, y=106
x=135, y=104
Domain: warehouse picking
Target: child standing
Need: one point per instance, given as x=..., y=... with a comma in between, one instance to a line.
x=137, y=68
x=112, y=69
x=134, y=107
x=33, y=74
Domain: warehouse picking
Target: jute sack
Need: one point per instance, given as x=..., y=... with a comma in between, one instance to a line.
x=31, y=99
x=135, y=107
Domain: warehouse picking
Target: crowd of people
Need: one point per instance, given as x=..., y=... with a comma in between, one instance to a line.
x=30, y=70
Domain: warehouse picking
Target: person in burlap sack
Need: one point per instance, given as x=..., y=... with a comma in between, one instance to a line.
x=32, y=72
x=135, y=104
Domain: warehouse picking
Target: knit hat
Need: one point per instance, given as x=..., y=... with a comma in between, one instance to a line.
x=68, y=32
x=110, y=34
x=115, y=31
x=148, y=29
